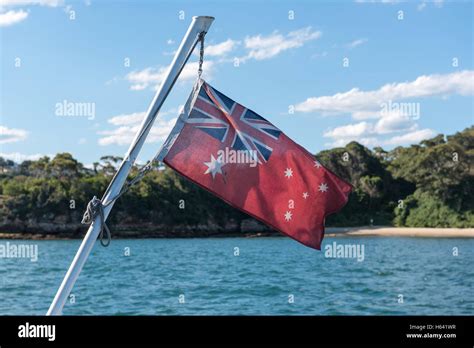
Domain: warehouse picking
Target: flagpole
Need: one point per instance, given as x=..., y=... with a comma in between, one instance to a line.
x=198, y=25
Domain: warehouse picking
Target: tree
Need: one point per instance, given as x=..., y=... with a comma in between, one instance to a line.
x=429, y=184
x=95, y=166
x=41, y=167
x=6, y=164
x=375, y=190
x=64, y=165
x=443, y=169
x=110, y=164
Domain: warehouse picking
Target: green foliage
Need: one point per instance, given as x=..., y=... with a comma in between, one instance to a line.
x=445, y=169
x=430, y=184
x=424, y=210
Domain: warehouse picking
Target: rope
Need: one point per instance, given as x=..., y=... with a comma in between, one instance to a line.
x=201, y=53
x=96, y=208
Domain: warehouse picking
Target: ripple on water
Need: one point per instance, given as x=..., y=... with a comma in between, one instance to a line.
x=261, y=280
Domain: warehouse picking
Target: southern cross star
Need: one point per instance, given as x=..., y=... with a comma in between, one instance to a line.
x=288, y=173
x=305, y=195
x=214, y=166
x=288, y=215
x=323, y=187
x=317, y=164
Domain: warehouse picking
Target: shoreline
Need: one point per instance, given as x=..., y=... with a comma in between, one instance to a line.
x=362, y=231
x=381, y=231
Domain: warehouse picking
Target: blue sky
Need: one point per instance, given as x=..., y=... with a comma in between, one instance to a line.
x=409, y=74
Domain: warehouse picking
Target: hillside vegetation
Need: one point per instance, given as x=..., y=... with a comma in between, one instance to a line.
x=426, y=185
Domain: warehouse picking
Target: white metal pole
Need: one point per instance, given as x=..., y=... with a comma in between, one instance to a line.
x=198, y=25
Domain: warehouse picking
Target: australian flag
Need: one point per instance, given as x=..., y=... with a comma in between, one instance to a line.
x=245, y=160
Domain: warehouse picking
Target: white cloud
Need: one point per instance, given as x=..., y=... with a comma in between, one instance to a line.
x=12, y=135
x=366, y=141
x=369, y=133
x=362, y=132
x=12, y=17
x=264, y=47
x=350, y=130
x=390, y=123
x=258, y=47
x=356, y=43
x=152, y=77
x=364, y=115
x=143, y=78
x=124, y=135
x=137, y=117
x=169, y=41
x=220, y=49
x=342, y=135
x=18, y=157
x=13, y=3
x=129, y=124
x=362, y=103
x=394, y=122
x=412, y=137
x=127, y=119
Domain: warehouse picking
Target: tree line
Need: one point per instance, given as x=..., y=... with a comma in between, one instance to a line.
x=430, y=184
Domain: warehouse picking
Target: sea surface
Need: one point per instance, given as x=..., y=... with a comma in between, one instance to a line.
x=246, y=276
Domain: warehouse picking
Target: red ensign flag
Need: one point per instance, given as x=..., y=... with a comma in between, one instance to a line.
x=245, y=160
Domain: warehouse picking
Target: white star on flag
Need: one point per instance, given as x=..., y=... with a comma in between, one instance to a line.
x=288, y=215
x=317, y=164
x=214, y=166
x=288, y=173
x=305, y=195
x=323, y=187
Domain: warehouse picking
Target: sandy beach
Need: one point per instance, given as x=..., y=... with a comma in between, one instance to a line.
x=381, y=231
x=400, y=232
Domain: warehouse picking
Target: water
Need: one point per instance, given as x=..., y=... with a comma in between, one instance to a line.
x=259, y=281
